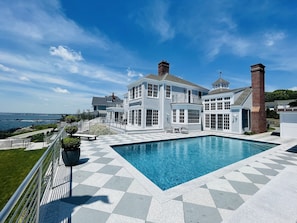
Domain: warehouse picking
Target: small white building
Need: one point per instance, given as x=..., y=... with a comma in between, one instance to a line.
x=238, y=110
x=288, y=122
x=227, y=110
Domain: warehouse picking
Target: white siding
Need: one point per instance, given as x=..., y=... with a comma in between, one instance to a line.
x=288, y=124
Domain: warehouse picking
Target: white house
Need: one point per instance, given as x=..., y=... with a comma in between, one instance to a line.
x=164, y=101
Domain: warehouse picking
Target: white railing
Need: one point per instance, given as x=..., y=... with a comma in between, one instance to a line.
x=24, y=205
x=14, y=143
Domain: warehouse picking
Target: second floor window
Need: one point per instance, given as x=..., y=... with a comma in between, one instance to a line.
x=135, y=92
x=168, y=91
x=152, y=90
x=227, y=105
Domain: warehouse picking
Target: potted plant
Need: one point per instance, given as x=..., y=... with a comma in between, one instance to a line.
x=71, y=146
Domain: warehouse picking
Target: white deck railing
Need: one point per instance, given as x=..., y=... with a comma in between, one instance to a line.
x=24, y=205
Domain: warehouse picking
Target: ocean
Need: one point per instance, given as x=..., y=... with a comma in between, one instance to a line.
x=21, y=120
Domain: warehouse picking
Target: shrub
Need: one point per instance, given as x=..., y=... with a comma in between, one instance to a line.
x=37, y=137
x=71, y=129
x=70, y=119
x=70, y=143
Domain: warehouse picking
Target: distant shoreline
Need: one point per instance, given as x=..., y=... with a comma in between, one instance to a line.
x=15, y=121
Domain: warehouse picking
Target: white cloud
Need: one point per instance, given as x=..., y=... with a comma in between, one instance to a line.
x=293, y=88
x=156, y=17
x=60, y=90
x=65, y=53
x=23, y=78
x=231, y=43
x=272, y=37
x=131, y=73
x=6, y=69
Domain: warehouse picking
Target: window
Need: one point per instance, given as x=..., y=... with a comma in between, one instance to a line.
x=193, y=116
x=227, y=98
x=213, y=106
x=227, y=105
x=155, y=117
x=220, y=121
x=207, y=121
x=206, y=107
x=189, y=96
x=174, y=115
x=139, y=91
x=219, y=99
x=220, y=105
x=213, y=121
x=155, y=92
x=152, y=90
x=226, y=121
x=168, y=91
x=213, y=99
x=130, y=117
x=131, y=93
x=181, y=115
x=135, y=92
x=151, y=117
x=139, y=117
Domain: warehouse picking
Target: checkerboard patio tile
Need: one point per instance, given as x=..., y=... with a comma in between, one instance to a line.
x=103, y=190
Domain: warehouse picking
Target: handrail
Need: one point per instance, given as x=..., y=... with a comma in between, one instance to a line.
x=37, y=170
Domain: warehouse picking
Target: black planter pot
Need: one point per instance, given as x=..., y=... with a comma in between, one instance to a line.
x=70, y=157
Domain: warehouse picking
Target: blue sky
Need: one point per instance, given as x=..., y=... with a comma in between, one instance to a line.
x=56, y=55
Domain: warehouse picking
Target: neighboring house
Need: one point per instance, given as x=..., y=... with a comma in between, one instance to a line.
x=278, y=104
x=288, y=122
x=238, y=110
x=101, y=104
x=163, y=102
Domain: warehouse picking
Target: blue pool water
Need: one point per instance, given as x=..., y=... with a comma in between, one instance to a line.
x=173, y=162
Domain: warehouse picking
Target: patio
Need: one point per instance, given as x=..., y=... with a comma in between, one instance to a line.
x=106, y=188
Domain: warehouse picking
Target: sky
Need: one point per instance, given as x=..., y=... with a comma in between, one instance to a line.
x=55, y=55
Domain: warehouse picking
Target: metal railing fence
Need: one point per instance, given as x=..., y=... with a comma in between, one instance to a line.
x=24, y=205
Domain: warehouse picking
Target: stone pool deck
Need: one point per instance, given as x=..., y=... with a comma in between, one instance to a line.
x=106, y=188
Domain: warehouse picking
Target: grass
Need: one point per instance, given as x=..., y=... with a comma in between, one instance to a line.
x=14, y=166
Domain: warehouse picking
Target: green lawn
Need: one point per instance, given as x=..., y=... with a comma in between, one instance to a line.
x=14, y=166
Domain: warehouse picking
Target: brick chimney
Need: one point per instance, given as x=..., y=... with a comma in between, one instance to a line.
x=258, y=124
x=163, y=68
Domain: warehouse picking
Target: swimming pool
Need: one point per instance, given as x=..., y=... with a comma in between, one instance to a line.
x=173, y=162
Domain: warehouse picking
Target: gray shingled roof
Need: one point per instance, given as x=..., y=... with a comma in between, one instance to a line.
x=172, y=78
x=220, y=81
x=244, y=95
x=107, y=100
x=225, y=90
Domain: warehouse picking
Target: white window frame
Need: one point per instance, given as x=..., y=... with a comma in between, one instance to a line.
x=152, y=90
